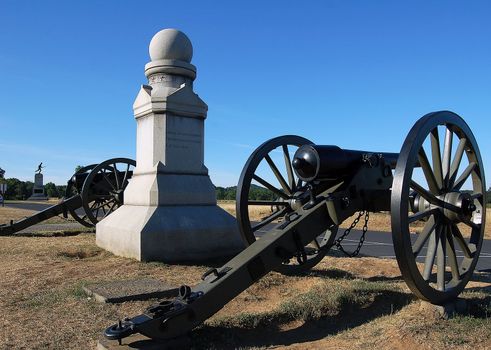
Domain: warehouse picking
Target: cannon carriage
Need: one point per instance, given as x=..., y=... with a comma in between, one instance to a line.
x=436, y=203
x=92, y=193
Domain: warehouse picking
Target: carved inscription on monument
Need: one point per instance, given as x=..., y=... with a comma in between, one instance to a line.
x=182, y=140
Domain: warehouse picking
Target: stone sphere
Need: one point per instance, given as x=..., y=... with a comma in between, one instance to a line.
x=171, y=44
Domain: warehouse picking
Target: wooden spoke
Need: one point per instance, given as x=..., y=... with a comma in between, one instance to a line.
x=428, y=172
x=421, y=215
x=430, y=254
x=270, y=187
x=424, y=235
x=111, y=209
x=278, y=175
x=452, y=257
x=454, y=230
x=441, y=260
x=289, y=170
x=454, y=168
x=447, y=154
x=436, y=157
x=116, y=176
x=125, y=177
x=465, y=174
x=424, y=193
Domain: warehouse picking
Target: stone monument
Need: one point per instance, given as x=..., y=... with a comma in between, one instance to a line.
x=38, y=189
x=170, y=211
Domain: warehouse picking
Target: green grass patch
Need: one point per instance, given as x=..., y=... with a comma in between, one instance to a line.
x=81, y=252
x=50, y=297
x=328, y=298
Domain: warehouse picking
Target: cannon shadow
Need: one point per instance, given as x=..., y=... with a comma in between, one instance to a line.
x=311, y=330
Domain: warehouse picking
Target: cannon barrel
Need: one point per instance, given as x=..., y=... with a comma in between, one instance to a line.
x=325, y=162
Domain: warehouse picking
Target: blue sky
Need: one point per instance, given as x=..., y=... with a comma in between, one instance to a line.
x=357, y=74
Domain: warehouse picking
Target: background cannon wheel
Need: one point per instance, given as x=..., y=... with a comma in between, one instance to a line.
x=103, y=189
x=280, y=195
x=72, y=190
x=443, y=199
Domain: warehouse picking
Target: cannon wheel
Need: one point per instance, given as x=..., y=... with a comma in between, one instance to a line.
x=451, y=220
x=284, y=197
x=72, y=190
x=102, y=192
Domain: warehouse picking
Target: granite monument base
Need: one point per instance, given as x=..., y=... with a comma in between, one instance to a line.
x=170, y=233
x=38, y=189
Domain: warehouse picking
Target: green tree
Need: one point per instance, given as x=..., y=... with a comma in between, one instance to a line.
x=78, y=167
x=51, y=190
x=61, y=190
x=12, y=185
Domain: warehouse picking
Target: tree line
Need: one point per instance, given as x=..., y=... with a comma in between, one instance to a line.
x=19, y=190
x=255, y=193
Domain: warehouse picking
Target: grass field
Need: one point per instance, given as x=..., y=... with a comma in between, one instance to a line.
x=341, y=304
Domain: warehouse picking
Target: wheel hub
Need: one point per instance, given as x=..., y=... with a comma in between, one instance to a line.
x=462, y=202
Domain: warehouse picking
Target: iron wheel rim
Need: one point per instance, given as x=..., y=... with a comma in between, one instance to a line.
x=289, y=188
x=72, y=190
x=439, y=234
x=109, y=196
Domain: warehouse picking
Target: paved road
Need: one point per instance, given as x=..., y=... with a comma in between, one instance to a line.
x=379, y=244
x=38, y=206
x=29, y=205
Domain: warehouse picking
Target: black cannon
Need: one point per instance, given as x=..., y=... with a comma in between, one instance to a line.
x=92, y=193
x=323, y=186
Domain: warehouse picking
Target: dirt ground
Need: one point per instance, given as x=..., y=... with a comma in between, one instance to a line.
x=340, y=304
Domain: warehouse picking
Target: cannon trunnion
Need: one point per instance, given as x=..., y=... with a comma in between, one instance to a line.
x=312, y=193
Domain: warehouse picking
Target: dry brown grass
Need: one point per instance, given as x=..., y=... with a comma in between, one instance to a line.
x=7, y=214
x=343, y=303
x=43, y=306
x=256, y=212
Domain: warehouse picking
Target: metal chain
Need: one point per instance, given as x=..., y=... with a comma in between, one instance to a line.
x=338, y=241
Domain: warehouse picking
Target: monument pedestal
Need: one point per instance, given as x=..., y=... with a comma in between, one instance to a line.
x=170, y=233
x=38, y=189
x=170, y=211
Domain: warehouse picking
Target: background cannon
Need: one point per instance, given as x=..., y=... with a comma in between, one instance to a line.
x=323, y=186
x=92, y=193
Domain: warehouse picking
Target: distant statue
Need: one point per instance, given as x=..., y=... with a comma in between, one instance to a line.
x=40, y=168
